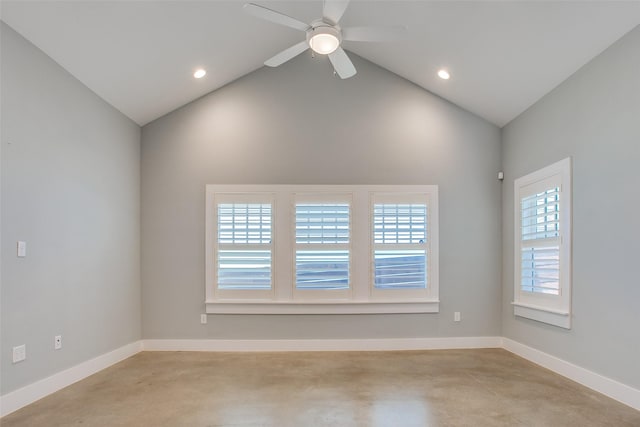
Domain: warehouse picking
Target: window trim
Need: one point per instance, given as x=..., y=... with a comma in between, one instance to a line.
x=547, y=308
x=285, y=299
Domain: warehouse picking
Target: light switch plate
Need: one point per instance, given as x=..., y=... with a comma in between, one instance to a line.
x=22, y=249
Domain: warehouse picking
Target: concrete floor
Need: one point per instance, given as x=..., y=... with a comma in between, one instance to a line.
x=488, y=387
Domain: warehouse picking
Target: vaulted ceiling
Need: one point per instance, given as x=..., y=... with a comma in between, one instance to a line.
x=140, y=55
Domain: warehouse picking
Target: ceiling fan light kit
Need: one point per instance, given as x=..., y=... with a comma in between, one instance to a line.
x=324, y=36
x=324, y=39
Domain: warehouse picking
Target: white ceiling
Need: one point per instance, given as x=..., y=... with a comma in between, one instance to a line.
x=140, y=55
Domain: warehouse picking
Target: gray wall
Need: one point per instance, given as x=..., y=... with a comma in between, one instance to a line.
x=298, y=124
x=594, y=117
x=71, y=190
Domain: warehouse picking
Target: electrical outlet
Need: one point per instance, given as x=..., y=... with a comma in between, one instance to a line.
x=57, y=342
x=456, y=316
x=19, y=353
x=203, y=319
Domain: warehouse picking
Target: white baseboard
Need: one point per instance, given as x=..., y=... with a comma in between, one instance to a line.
x=324, y=344
x=611, y=388
x=15, y=400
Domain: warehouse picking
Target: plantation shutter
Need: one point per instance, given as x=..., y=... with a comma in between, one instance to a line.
x=244, y=252
x=322, y=237
x=540, y=240
x=400, y=245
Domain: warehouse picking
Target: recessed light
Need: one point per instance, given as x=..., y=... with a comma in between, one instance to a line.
x=444, y=74
x=200, y=73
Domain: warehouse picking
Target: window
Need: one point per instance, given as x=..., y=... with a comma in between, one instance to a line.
x=542, y=232
x=243, y=246
x=322, y=230
x=321, y=249
x=401, y=254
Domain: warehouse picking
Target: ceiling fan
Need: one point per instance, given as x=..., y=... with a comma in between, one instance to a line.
x=324, y=35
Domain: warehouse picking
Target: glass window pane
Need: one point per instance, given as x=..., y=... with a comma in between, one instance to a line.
x=327, y=270
x=540, y=270
x=248, y=270
x=400, y=269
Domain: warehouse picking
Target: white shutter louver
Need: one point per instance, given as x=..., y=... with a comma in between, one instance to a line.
x=541, y=215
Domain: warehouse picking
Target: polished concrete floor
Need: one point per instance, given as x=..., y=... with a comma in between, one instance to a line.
x=488, y=387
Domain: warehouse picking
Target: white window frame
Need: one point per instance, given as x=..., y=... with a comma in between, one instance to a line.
x=547, y=308
x=285, y=298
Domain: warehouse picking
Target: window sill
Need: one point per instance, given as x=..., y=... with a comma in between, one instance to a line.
x=270, y=307
x=550, y=316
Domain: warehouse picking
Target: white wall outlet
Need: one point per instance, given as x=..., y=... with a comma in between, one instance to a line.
x=57, y=342
x=203, y=319
x=19, y=353
x=21, y=249
x=456, y=316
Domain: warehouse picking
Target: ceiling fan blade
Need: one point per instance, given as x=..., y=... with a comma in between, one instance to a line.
x=287, y=54
x=273, y=16
x=373, y=34
x=342, y=64
x=333, y=10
